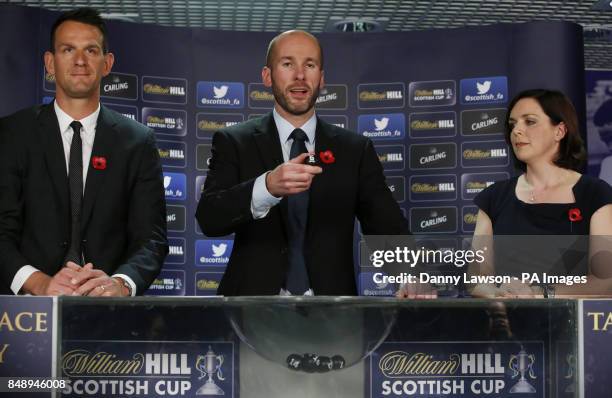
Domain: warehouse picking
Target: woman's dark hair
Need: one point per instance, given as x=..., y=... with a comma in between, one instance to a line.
x=86, y=15
x=572, y=154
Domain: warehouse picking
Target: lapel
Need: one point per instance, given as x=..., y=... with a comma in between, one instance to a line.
x=324, y=140
x=51, y=139
x=104, y=143
x=269, y=146
x=268, y=143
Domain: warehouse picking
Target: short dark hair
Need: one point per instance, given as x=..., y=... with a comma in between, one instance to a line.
x=272, y=45
x=559, y=108
x=86, y=15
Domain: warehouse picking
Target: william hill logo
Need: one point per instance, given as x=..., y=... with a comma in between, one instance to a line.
x=261, y=95
x=433, y=188
x=432, y=124
x=207, y=284
x=492, y=153
x=174, y=154
x=470, y=218
x=176, y=250
x=380, y=95
x=161, y=90
x=214, y=125
x=477, y=186
x=171, y=123
x=370, y=96
x=166, y=284
x=391, y=157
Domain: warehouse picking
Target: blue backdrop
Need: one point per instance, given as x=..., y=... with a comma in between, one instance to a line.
x=433, y=102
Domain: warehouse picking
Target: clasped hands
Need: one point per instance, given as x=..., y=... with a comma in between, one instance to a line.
x=291, y=177
x=74, y=280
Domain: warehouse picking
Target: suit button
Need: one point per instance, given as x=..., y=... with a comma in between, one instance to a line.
x=284, y=250
x=64, y=244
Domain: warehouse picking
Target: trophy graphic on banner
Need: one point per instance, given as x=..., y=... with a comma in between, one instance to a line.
x=209, y=365
x=521, y=364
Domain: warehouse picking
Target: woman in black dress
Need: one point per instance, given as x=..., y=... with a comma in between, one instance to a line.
x=550, y=197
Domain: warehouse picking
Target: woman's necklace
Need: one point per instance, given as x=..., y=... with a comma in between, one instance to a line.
x=532, y=190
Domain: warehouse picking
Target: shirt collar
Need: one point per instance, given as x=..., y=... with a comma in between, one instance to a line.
x=285, y=128
x=89, y=122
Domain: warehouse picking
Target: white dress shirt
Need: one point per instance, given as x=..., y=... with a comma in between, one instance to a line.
x=261, y=199
x=88, y=134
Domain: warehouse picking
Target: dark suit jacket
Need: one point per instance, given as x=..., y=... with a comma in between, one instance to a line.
x=352, y=186
x=123, y=222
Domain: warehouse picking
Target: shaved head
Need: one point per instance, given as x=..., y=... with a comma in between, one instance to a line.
x=271, y=54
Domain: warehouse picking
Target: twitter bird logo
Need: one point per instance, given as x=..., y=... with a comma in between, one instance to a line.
x=381, y=124
x=219, y=250
x=484, y=87
x=220, y=92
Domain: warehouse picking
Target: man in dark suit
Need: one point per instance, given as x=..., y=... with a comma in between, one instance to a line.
x=294, y=222
x=82, y=208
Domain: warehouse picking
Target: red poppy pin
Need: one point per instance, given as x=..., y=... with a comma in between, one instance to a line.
x=98, y=162
x=327, y=157
x=574, y=215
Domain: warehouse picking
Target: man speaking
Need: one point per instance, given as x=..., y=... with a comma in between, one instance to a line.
x=290, y=186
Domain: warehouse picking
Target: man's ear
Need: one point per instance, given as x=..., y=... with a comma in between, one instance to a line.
x=49, y=59
x=109, y=60
x=266, y=76
x=322, y=81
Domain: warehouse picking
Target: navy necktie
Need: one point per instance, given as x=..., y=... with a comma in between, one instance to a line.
x=297, y=275
x=75, y=180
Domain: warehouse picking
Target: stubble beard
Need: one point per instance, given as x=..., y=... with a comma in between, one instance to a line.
x=281, y=99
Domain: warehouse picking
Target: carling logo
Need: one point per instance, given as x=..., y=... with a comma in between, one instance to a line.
x=119, y=85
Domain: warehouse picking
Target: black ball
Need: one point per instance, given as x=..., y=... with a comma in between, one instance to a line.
x=309, y=363
x=324, y=364
x=294, y=362
x=338, y=362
